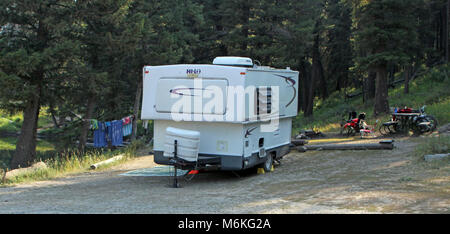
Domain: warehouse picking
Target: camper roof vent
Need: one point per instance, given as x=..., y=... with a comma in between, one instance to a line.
x=233, y=61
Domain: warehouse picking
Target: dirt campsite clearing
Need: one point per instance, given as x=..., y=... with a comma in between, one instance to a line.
x=376, y=181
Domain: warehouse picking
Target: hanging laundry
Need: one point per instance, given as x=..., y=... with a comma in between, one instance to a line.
x=126, y=120
x=127, y=129
x=94, y=124
x=100, y=136
x=108, y=131
x=116, y=133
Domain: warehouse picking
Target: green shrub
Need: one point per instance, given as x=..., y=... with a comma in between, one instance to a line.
x=7, y=125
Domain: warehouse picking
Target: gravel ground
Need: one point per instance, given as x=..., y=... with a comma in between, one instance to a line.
x=312, y=182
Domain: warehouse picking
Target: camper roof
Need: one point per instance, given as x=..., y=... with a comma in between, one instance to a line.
x=233, y=61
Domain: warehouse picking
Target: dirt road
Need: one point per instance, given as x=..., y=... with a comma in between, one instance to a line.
x=312, y=182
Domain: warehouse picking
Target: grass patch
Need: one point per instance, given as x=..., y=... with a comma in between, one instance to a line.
x=8, y=125
x=12, y=122
x=433, y=145
x=72, y=162
x=9, y=143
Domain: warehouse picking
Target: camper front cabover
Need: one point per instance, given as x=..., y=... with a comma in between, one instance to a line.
x=242, y=112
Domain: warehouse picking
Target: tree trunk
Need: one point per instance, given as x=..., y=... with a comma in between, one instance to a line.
x=317, y=72
x=370, y=85
x=245, y=28
x=381, y=91
x=52, y=113
x=25, y=152
x=303, y=74
x=62, y=120
x=137, y=104
x=307, y=88
x=85, y=126
x=310, y=96
x=317, y=67
x=407, y=75
x=445, y=26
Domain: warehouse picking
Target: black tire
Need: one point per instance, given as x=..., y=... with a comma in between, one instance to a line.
x=393, y=128
x=350, y=131
x=384, y=130
x=343, y=122
x=425, y=129
x=433, y=121
x=267, y=165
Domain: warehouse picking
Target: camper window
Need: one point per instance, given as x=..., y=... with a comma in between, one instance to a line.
x=263, y=100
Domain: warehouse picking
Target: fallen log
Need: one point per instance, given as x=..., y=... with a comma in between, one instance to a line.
x=298, y=142
x=377, y=146
x=108, y=161
x=307, y=134
x=21, y=171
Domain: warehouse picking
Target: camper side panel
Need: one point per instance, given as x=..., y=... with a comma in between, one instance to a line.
x=287, y=83
x=222, y=142
x=189, y=91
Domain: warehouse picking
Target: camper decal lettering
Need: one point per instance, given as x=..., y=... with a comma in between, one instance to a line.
x=181, y=93
x=291, y=83
x=249, y=131
x=193, y=73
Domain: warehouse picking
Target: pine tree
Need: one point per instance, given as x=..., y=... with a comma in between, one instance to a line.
x=388, y=34
x=338, y=45
x=34, y=51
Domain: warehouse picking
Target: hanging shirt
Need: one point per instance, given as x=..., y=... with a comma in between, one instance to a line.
x=94, y=124
x=126, y=120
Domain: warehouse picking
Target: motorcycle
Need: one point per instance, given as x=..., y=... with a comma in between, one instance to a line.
x=423, y=122
x=353, y=124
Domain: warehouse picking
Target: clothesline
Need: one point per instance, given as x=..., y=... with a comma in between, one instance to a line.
x=130, y=116
x=111, y=131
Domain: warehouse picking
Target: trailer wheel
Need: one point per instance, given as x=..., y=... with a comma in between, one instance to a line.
x=268, y=163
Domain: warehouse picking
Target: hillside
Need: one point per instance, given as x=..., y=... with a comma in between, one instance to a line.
x=430, y=89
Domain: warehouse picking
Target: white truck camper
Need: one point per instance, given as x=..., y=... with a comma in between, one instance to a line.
x=232, y=114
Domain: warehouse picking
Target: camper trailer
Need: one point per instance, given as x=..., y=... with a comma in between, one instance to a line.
x=232, y=114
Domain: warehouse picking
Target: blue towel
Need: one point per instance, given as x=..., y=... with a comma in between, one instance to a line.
x=100, y=136
x=127, y=129
x=116, y=133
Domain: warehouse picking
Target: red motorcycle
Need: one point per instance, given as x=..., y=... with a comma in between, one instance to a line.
x=353, y=124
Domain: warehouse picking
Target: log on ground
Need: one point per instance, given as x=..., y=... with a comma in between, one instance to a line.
x=347, y=147
x=298, y=142
x=108, y=161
